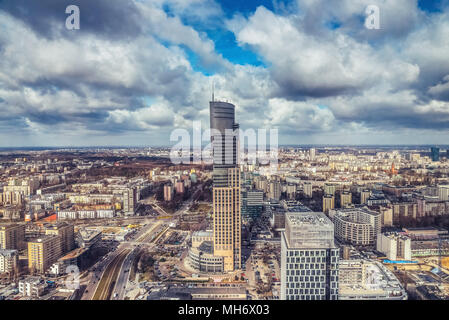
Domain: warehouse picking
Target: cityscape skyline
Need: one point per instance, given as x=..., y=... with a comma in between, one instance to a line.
x=327, y=224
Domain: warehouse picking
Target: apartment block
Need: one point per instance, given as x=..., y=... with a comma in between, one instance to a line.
x=43, y=252
x=12, y=236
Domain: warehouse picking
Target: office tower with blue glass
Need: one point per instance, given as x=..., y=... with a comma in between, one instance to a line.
x=435, y=154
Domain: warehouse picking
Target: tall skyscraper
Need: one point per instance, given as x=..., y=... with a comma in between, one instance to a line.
x=226, y=184
x=435, y=154
x=312, y=152
x=309, y=258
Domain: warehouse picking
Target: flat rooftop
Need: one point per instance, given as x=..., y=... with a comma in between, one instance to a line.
x=73, y=254
x=203, y=233
x=355, y=210
x=378, y=280
x=299, y=208
x=308, y=218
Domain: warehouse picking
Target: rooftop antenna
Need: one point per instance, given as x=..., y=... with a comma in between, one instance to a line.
x=213, y=89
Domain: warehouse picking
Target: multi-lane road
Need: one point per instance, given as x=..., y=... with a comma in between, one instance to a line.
x=112, y=273
x=109, y=278
x=107, y=283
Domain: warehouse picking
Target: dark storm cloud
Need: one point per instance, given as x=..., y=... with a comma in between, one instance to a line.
x=6, y=123
x=394, y=116
x=106, y=18
x=292, y=87
x=442, y=95
x=89, y=119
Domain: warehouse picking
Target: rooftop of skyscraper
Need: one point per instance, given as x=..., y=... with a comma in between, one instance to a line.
x=309, y=230
x=308, y=218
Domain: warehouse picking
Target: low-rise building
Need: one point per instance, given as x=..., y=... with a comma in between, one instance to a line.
x=32, y=287
x=86, y=238
x=202, y=258
x=368, y=280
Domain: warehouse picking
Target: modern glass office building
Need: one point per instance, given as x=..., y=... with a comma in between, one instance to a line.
x=226, y=184
x=309, y=258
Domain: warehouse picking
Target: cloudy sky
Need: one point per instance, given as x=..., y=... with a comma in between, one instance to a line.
x=137, y=69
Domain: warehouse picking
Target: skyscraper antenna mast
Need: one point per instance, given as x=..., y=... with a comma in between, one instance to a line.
x=213, y=91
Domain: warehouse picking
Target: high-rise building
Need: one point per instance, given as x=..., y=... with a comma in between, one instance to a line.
x=67, y=234
x=226, y=184
x=328, y=202
x=168, y=192
x=252, y=203
x=307, y=189
x=435, y=154
x=312, y=152
x=404, y=210
x=12, y=236
x=130, y=200
x=309, y=258
x=329, y=188
x=274, y=190
x=345, y=199
x=364, y=196
x=387, y=216
x=395, y=246
x=43, y=252
x=262, y=184
x=179, y=187
x=291, y=191
x=443, y=192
